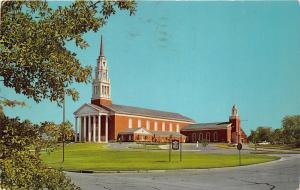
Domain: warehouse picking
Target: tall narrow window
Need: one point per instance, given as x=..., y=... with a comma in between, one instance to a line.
x=208, y=137
x=215, y=136
x=171, y=127
x=129, y=123
x=148, y=125
x=200, y=136
x=139, y=123
x=163, y=127
x=194, y=137
x=177, y=128
x=155, y=126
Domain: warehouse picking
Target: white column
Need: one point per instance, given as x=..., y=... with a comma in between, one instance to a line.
x=75, y=129
x=80, y=131
x=89, y=128
x=84, y=128
x=99, y=128
x=106, y=128
x=94, y=128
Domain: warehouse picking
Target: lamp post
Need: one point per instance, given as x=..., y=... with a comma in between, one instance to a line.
x=63, y=129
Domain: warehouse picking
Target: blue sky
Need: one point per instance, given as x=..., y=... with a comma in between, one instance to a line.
x=197, y=59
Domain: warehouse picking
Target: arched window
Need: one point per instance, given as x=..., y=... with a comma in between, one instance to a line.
x=200, y=137
x=208, y=137
x=194, y=137
x=215, y=136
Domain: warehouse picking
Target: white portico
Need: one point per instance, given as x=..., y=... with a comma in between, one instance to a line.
x=91, y=123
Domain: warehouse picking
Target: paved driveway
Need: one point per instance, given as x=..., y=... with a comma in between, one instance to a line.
x=283, y=174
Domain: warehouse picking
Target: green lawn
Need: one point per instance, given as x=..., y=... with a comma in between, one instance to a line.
x=276, y=146
x=97, y=157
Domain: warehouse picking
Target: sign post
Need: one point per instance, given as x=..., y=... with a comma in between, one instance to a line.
x=170, y=148
x=239, y=147
x=176, y=146
x=180, y=148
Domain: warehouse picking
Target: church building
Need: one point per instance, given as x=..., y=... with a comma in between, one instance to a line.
x=226, y=132
x=102, y=121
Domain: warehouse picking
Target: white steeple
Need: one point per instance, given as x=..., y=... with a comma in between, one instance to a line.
x=101, y=82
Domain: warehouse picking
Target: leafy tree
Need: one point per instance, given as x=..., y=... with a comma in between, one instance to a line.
x=277, y=136
x=35, y=62
x=204, y=143
x=291, y=129
x=20, y=163
x=34, y=59
x=260, y=134
x=253, y=137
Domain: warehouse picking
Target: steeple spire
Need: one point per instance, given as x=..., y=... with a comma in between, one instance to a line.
x=101, y=83
x=101, y=48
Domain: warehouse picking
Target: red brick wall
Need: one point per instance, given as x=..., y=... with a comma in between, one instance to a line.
x=221, y=135
x=100, y=102
x=120, y=123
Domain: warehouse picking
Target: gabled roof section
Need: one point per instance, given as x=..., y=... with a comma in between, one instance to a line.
x=207, y=126
x=136, y=131
x=89, y=109
x=166, y=134
x=121, y=109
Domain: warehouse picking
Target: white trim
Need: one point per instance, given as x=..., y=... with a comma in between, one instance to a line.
x=139, y=123
x=91, y=114
x=95, y=112
x=177, y=128
x=155, y=125
x=153, y=118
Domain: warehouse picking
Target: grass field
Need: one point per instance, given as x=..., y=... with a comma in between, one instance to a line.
x=97, y=157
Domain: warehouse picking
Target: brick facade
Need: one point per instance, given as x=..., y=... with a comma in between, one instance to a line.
x=120, y=123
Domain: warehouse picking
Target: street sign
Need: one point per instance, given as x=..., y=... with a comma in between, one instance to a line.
x=239, y=146
x=175, y=144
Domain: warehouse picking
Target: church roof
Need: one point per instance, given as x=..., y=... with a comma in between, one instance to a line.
x=206, y=126
x=121, y=109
